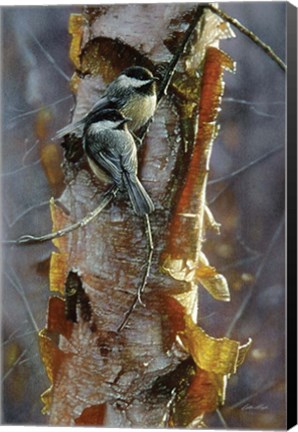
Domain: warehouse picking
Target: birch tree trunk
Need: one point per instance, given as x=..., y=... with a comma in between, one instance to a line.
x=161, y=369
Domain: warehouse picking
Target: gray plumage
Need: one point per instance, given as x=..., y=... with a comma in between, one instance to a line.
x=110, y=147
x=133, y=93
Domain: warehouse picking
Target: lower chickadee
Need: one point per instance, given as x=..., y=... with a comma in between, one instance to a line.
x=133, y=93
x=111, y=150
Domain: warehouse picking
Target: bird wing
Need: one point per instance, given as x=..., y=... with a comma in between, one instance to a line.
x=78, y=126
x=112, y=165
x=108, y=160
x=103, y=103
x=129, y=160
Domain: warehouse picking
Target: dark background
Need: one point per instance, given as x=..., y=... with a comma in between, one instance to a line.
x=36, y=101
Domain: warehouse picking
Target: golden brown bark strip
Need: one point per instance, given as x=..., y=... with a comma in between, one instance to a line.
x=186, y=228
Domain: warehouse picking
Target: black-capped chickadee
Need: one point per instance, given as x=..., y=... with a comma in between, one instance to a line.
x=133, y=93
x=111, y=149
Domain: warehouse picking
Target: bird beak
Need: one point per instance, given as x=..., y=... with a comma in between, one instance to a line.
x=154, y=79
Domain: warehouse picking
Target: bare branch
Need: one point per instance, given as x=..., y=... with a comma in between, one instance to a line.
x=25, y=239
x=268, y=50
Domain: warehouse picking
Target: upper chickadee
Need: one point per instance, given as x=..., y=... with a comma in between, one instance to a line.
x=133, y=93
x=111, y=148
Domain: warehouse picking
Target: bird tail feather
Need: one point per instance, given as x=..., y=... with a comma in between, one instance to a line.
x=141, y=202
x=76, y=128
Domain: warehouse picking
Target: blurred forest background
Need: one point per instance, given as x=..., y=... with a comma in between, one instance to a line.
x=250, y=205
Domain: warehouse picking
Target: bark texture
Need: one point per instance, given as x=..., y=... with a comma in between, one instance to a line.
x=136, y=377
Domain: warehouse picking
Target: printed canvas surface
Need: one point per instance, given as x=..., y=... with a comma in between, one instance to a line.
x=143, y=246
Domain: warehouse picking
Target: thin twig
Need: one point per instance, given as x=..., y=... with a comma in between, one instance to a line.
x=15, y=336
x=268, y=50
x=25, y=239
x=219, y=193
x=176, y=57
x=246, y=167
x=22, y=294
x=16, y=363
x=252, y=106
x=166, y=417
x=240, y=263
x=22, y=168
x=259, y=271
x=21, y=215
x=174, y=61
x=233, y=175
x=149, y=259
x=48, y=56
x=222, y=419
x=137, y=298
x=36, y=110
x=251, y=103
x=243, y=401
